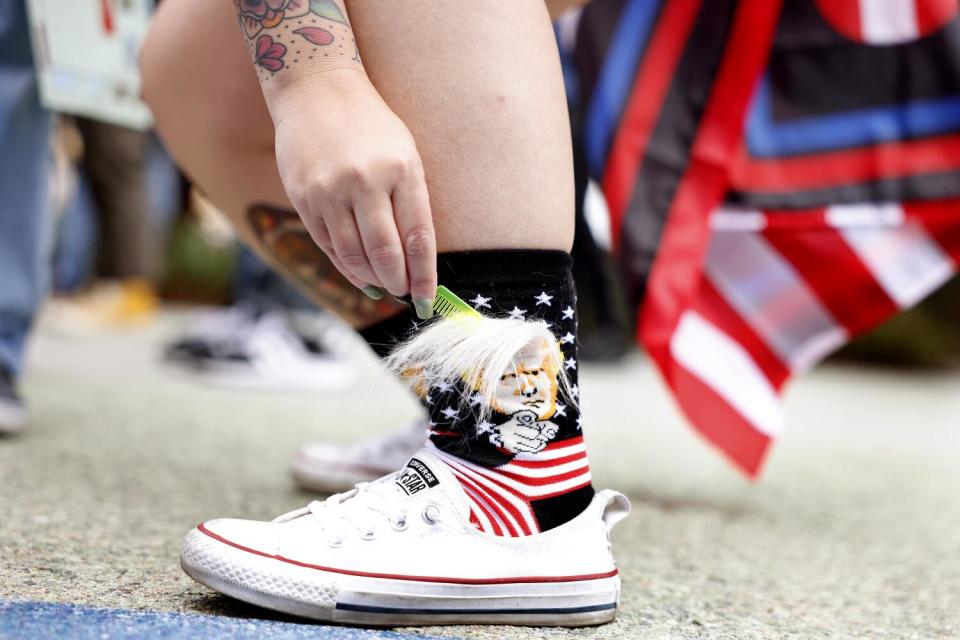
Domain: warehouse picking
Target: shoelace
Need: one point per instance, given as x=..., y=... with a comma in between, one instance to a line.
x=362, y=507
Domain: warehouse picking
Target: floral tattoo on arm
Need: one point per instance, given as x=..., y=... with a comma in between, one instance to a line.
x=282, y=33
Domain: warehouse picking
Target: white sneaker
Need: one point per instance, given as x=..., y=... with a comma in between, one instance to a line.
x=13, y=412
x=401, y=551
x=332, y=468
x=234, y=348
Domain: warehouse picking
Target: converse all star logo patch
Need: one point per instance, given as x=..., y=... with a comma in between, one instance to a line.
x=416, y=477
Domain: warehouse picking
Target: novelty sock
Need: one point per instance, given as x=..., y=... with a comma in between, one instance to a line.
x=383, y=336
x=524, y=465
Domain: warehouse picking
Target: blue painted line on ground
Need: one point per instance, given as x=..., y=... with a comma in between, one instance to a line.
x=22, y=620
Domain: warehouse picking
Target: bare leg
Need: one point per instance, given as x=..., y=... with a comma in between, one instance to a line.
x=210, y=112
x=478, y=85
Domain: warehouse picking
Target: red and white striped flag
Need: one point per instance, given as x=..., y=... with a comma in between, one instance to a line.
x=781, y=175
x=780, y=291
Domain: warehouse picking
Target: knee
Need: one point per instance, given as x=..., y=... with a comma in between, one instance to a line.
x=193, y=85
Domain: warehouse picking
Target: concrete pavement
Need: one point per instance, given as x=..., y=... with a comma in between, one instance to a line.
x=852, y=532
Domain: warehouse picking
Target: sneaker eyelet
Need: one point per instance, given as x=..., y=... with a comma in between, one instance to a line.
x=400, y=524
x=368, y=535
x=431, y=514
x=335, y=542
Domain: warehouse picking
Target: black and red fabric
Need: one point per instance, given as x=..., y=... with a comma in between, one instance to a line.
x=781, y=176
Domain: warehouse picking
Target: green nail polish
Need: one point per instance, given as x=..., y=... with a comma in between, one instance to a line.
x=424, y=307
x=372, y=292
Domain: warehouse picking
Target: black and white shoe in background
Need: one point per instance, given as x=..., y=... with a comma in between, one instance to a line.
x=13, y=412
x=239, y=348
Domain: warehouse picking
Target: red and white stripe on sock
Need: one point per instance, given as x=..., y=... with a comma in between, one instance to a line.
x=500, y=497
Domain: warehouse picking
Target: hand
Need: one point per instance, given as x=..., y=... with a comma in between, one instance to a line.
x=351, y=170
x=524, y=434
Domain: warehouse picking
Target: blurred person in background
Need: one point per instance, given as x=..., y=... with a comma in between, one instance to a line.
x=25, y=210
x=126, y=249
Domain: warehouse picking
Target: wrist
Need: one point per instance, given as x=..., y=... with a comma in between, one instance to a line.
x=293, y=96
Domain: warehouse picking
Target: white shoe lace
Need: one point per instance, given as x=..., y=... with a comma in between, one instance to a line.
x=363, y=508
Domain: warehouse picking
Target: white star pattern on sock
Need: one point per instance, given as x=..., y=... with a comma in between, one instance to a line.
x=567, y=339
x=579, y=423
x=561, y=410
x=480, y=302
x=450, y=413
x=568, y=313
x=517, y=313
x=570, y=363
x=575, y=391
x=428, y=400
x=484, y=427
x=543, y=298
x=444, y=386
x=476, y=400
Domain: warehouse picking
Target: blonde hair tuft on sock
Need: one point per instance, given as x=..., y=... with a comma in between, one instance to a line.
x=478, y=351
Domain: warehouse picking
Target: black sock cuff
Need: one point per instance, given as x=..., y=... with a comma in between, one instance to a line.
x=505, y=267
x=384, y=335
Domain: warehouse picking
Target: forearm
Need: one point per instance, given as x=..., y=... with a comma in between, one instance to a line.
x=292, y=42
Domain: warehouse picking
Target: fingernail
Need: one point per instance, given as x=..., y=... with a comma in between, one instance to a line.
x=424, y=307
x=372, y=292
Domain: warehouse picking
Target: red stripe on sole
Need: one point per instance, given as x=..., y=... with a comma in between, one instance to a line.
x=392, y=576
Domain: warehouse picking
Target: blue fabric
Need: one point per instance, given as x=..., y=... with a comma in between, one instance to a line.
x=767, y=138
x=53, y=620
x=616, y=78
x=25, y=220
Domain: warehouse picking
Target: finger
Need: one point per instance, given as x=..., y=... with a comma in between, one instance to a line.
x=321, y=237
x=411, y=210
x=347, y=245
x=378, y=233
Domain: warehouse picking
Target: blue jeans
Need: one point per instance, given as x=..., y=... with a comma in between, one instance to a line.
x=25, y=216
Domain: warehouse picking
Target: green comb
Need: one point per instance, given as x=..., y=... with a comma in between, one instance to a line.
x=449, y=305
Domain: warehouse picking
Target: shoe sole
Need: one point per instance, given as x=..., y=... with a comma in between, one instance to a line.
x=330, y=596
